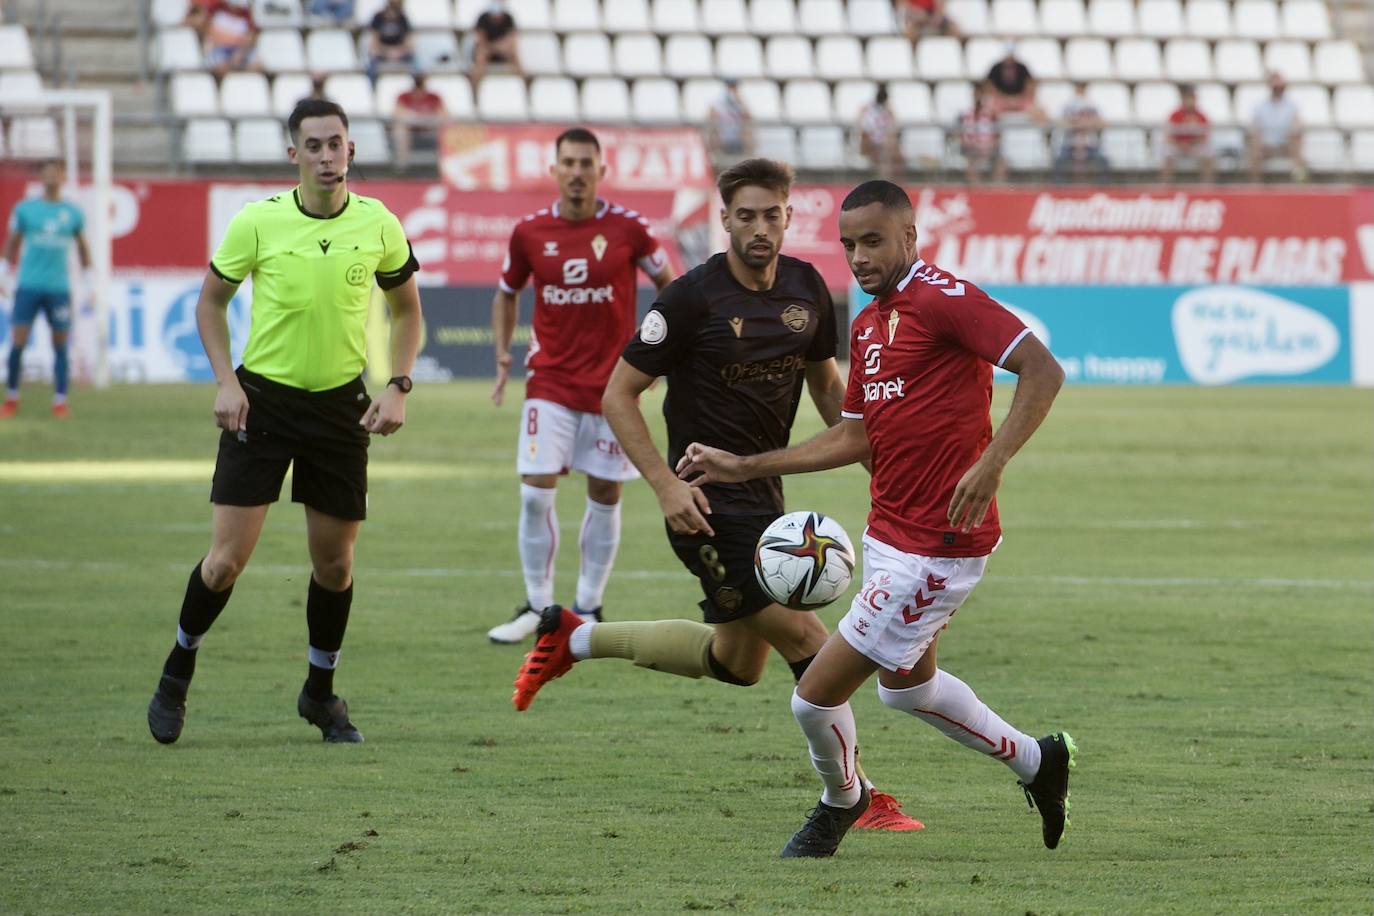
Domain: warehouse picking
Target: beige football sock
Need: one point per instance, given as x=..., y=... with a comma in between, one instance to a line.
x=679, y=647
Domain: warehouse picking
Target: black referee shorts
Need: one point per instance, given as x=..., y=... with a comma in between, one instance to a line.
x=724, y=564
x=317, y=431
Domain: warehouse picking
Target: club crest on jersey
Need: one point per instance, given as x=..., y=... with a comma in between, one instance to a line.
x=737, y=325
x=796, y=318
x=550, y=249
x=599, y=245
x=892, y=326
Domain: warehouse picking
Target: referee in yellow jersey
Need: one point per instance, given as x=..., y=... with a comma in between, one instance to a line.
x=298, y=399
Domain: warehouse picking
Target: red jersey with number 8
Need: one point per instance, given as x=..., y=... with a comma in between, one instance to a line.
x=584, y=297
x=920, y=378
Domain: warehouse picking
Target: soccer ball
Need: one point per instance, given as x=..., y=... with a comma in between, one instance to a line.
x=804, y=560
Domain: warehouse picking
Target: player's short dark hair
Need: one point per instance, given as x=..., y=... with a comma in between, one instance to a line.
x=877, y=191
x=760, y=173
x=1187, y=89
x=576, y=135
x=314, y=108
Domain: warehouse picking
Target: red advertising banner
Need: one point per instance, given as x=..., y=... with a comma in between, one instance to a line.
x=476, y=157
x=1286, y=238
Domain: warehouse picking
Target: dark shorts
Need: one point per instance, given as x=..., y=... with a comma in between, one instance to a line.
x=55, y=307
x=316, y=431
x=724, y=564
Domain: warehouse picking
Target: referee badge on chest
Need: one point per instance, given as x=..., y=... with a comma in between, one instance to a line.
x=356, y=275
x=796, y=318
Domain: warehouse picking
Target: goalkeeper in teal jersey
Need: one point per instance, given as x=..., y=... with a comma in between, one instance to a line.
x=46, y=226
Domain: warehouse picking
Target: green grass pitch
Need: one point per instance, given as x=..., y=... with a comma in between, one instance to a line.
x=1186, y=585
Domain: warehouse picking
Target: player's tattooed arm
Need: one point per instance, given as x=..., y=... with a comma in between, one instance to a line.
x=231, y=404
x=841, y=444
x=1039, y=377
x=684, y=508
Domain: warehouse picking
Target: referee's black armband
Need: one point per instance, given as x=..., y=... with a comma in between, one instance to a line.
x=223, y=276
x=403, y=273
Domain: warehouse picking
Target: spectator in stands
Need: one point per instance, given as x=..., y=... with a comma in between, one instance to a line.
x=227, y=29
x=331, y=12
x=1276, y=131
x=494, y=41
x=925, y=17
x=415, y=122
x=729, y=126
x=392, y=44
x=1188, y=137
x=1081, y=146
x=980, y=139
x=878, y=137
x=1013, y=88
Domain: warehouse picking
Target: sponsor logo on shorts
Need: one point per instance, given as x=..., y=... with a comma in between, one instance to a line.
x=581, y=295
x=728, y=599
x=861, y=625
x=609, y=447
x=884, y=391
x=767, y=370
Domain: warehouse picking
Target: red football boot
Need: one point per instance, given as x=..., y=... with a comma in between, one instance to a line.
x=550, y=657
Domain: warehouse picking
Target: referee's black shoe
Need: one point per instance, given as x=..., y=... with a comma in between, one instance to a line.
x=1048, y=792
x=825, y=826
x=167, y=709
x=330, y=717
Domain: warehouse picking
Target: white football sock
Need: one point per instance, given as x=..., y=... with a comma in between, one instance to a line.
x=580, y=642
x=599, y=541
x=954, y=709
x=538, y=542
x=830, y=733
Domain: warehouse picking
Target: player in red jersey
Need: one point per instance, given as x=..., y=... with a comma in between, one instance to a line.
x=917, y=404
x=582, y=253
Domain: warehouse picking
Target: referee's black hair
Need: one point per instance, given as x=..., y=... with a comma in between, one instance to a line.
x=877, y=191
x=313, y=108
x=576, y=135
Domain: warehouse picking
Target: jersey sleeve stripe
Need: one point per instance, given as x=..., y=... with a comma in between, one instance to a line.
x=506, y=287
x=1011, y=346
x=223, y=276
x=851, y=416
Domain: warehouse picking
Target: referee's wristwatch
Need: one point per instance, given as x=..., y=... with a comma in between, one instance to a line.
x=402, y=382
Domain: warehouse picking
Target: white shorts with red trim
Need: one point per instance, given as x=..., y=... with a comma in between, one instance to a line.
x=555, y=439
x=906, y=600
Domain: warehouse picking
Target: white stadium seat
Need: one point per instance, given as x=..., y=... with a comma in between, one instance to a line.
x=1126, y=147
x=1042, y=57
x=1314, y=104
x=820, y=17
x=1323, y=150
x=889, y=57
x=281, y=50
x=1247, y=97
x=1053, y=95
x=1112, y=100
x=1187, y=60
x=1154, y=102
x=436, y=51
x=655, y=101
x=672, y=16
x=1111, y=18
x=851, y=96
x=1063, y=18
x=762, y=98
x=626, y=16
x=16, y=85
x=1214, y=100
x=15, y=51
x=638, y=54
x=168, y=13
x=839, y=57
x=587, y=54
x=370, y=140
x=1137, y=59
x=194, y=94
x=940, y=58
x=806, y=102
x=277, y=14
x=952, y=98
x=541, y=53
x=871, y=17
x=789, y=57
x=364, y=10
x=553, y=98
x=425, y=14
x=772, y=17
x=389, y=87
x=1161, y=19
x=465, y=13
x=501, y=97
x=33, y=137
x=970, y=15
x=1014, y=17
x=979, y=56
x=576, y=16
x=823, y=147
x=1353, y=106
x=207, y=140
x=1087, y=59
x=1209, y=18
x=698, y=95
x=179, y=49
x=1024, y=148
x=329, y=51
x=354, y=92
x=528, y=14
x=1238, y=61
x=456, y=92
x=1290, y=58
x=923, y=147
x=1338, y=62
x=260, y=140
x=290, y=88
x=1258, y=19
x=1362, y=150
x=723, y=17
x=776, y=141
x=739, y=56
x=686, y=56
x=910, y=102
x=1306, y=19
x=245, y=95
